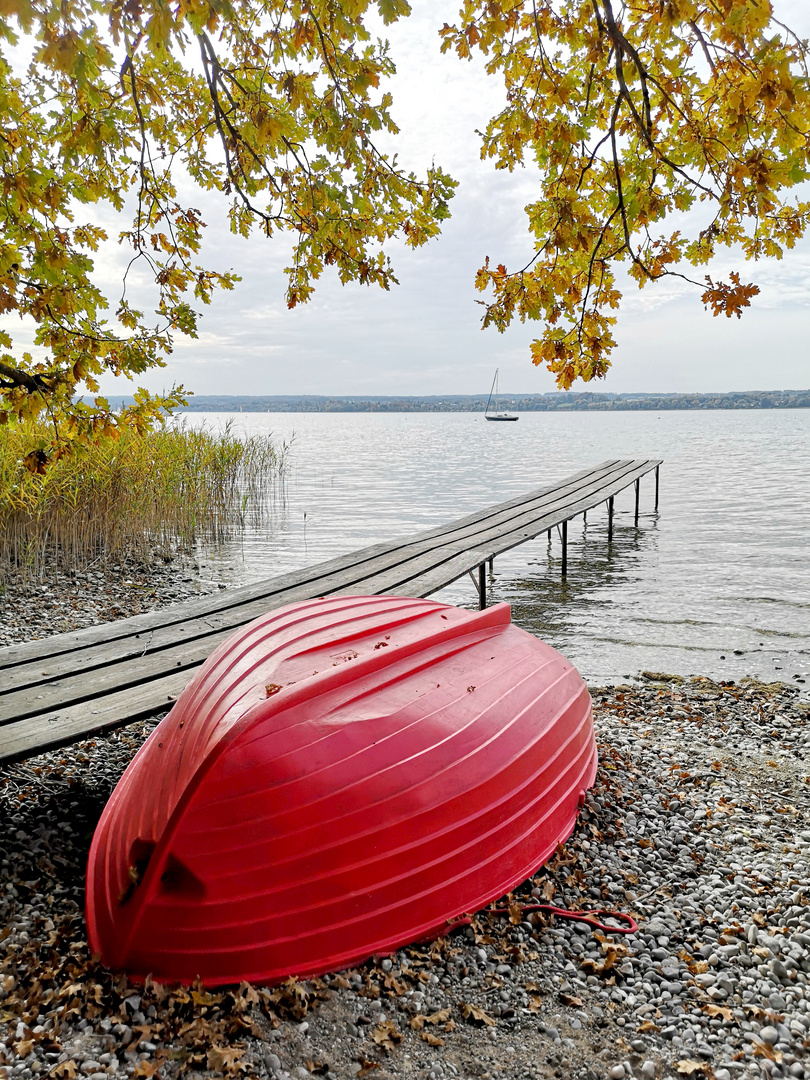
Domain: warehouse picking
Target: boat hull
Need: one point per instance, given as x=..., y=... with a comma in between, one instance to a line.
x=343, y=776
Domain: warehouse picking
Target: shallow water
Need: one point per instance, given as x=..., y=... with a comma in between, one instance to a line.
x=717, y=582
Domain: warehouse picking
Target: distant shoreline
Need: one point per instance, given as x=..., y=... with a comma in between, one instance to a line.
x=553, y=402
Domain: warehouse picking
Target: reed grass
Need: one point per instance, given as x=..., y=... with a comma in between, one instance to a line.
x=143, y=496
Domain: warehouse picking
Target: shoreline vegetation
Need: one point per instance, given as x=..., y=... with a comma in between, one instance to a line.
x=143, y=497
x=553, y=402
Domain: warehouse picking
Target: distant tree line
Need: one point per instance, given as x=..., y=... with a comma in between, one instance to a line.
x=553, y=402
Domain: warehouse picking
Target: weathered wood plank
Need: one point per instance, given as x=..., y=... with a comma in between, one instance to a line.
x=74, y=685
x=232, y=598
x=63, y=726
x=181, y=645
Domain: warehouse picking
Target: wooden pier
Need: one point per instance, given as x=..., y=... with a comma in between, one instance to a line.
x=70, y=686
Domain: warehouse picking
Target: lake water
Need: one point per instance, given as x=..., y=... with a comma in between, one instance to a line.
x=717, y=582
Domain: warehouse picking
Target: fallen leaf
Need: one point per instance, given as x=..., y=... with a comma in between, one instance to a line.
x=387, y=1035
x=574, y=1002
x=763, y=1049
x=688, y=1067
x=515, y=913
x=719, y=1010
x=431, y=1039
x=225, y=1059
x=65, y=1069
x=438, y=1017
x=202, y=997
x=146, y=1068
x=648, y=1025
x=366, y=1066
x=392, y=983
x=248, y=994
x=474, y=1015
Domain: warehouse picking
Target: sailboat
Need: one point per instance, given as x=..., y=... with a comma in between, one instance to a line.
x=497, y=415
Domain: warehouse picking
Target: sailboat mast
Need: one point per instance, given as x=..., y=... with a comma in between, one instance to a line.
x=491, y=391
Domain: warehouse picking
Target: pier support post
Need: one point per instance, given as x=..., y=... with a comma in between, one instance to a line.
x=482, y=586
x=491, y=563
x=638, y=487
x=657, y=467
x=565, y=549
x=610, y=519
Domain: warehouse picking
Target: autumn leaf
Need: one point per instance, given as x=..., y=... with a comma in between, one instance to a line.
x=688, y=1066
x=146, y=1068
x=572, y=1001
x=475, y=1015
x=431, y=1039
x=387, y=1035
x=226, y=1059
x=65, y=1070
x=366, y=1066
x=763, y=1049
x=729, y=300
x=719, y=1010
x=438, y=1017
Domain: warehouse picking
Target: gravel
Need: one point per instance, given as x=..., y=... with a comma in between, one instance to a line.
x=698, y=826
x=72, y=600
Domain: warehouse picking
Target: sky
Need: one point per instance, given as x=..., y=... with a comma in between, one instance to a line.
x=424, y=336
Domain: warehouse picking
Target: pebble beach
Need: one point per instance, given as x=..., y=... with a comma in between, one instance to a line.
x=698, y=827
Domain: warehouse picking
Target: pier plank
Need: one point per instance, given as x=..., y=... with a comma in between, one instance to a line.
x=69, y=686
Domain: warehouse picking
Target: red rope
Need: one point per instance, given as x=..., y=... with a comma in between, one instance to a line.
x=589, y=917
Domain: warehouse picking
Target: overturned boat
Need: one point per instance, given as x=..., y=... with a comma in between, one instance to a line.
x=341, y=777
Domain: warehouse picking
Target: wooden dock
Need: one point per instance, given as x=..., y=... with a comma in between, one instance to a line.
x=70, y=686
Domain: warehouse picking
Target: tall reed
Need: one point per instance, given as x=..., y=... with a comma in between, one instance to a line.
x=142, y=496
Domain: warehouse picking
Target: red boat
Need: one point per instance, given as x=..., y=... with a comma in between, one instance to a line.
x=341, y=777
